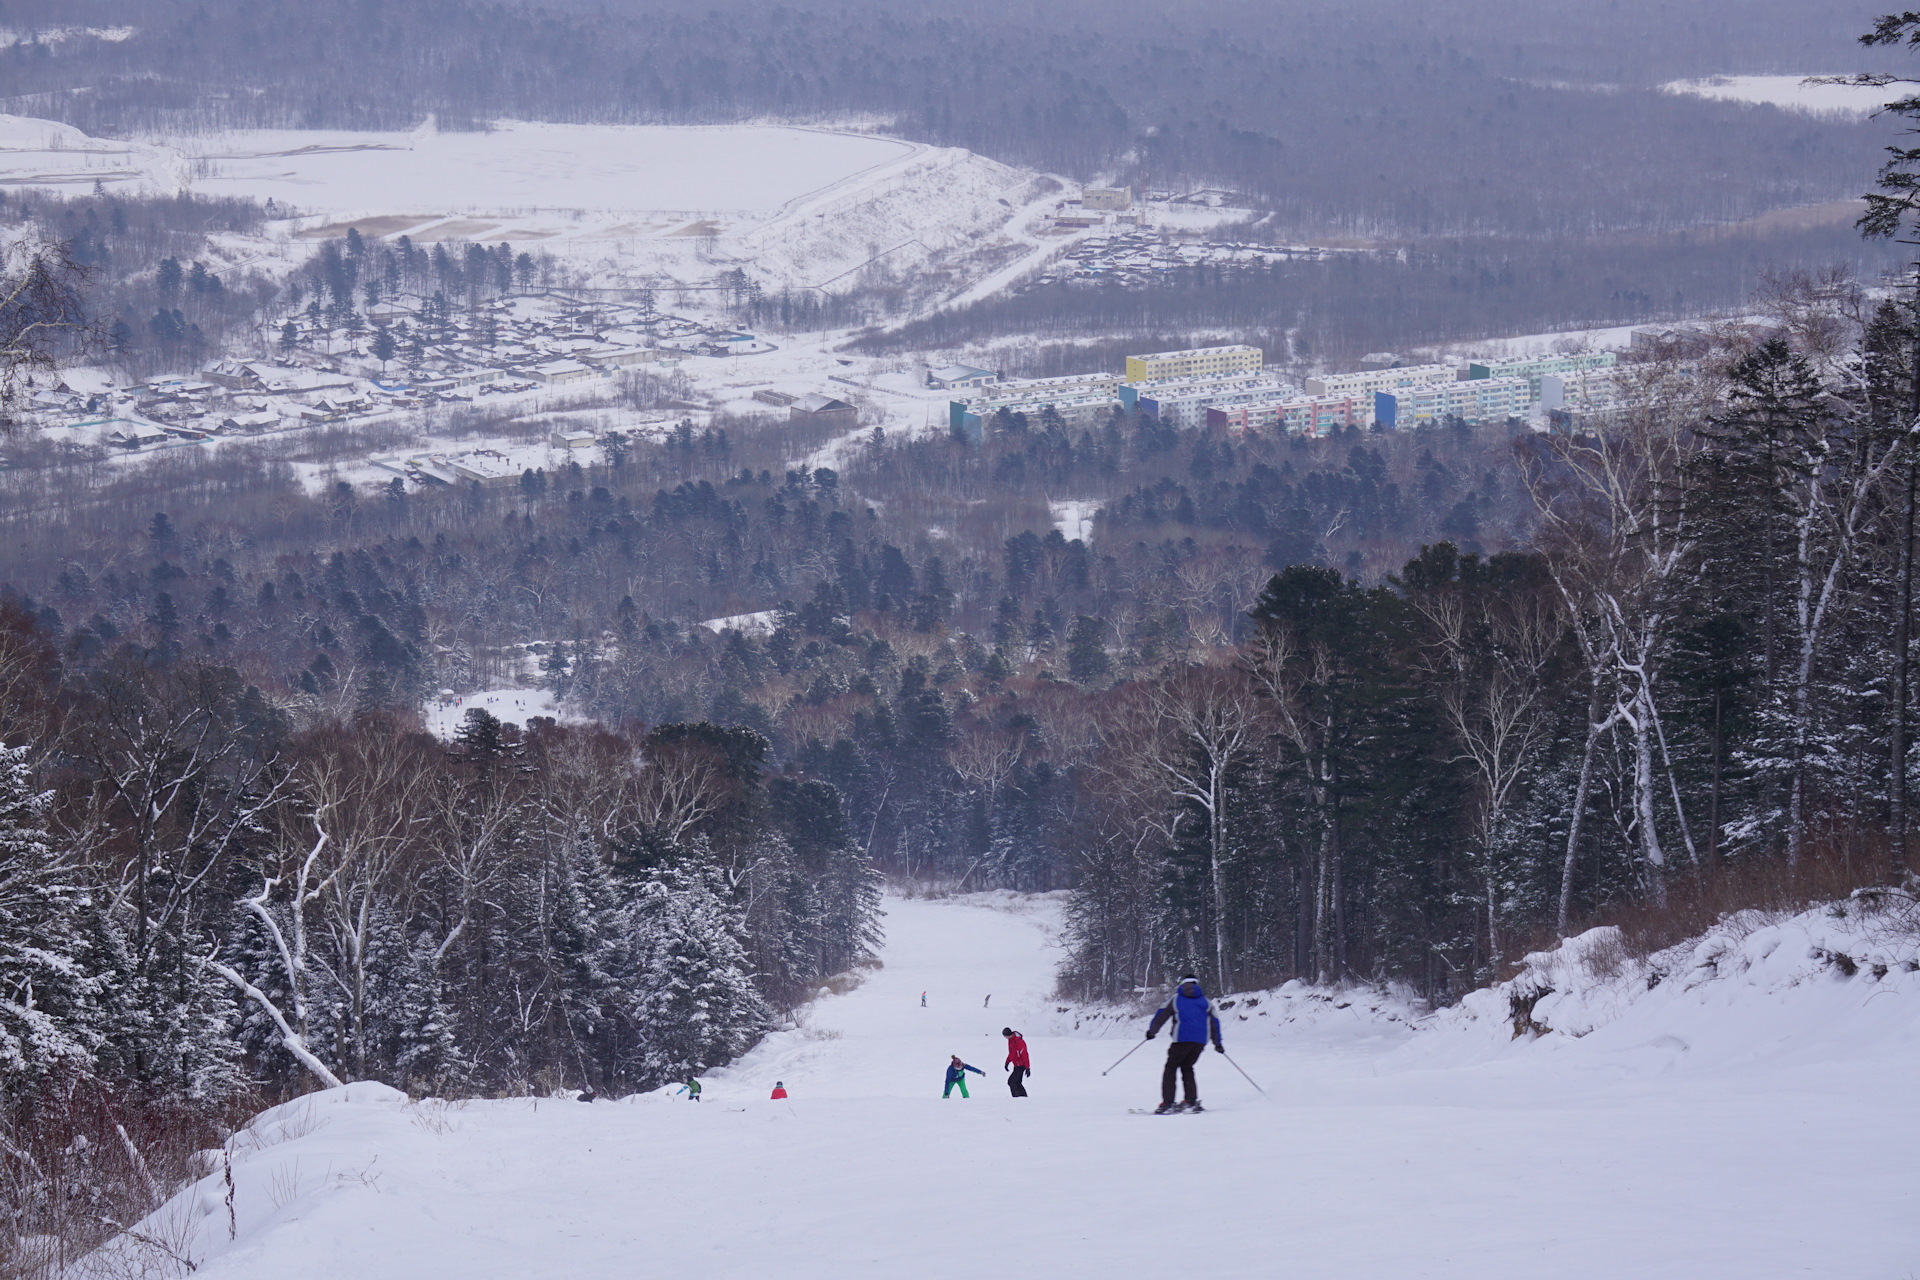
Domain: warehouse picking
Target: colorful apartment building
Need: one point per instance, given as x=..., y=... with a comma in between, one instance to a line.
x=1534, y=368
x=1200, y=362
x=1299, y=416
x=1473, y=401
x=1183, y=402
x=1365, y=384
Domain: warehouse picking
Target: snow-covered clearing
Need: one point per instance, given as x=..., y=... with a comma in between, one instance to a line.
x=509, y=706
x=1792, y=92
x=1752, y=1117
x=759, y=623
x=1074, y=517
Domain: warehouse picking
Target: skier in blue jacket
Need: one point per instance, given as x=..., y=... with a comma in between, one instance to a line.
x=1194, y=1022
x=957, y=1075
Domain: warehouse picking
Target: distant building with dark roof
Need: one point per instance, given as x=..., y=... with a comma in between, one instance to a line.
x=823, y=409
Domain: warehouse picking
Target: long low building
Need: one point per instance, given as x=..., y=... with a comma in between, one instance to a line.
x=1183, y=402
x=558, y=373
x=1198, y=362
x=1028, y=388
x=1474, y=401
x=1296, y=415
x=1084, y=409
x=1536, y=368
x=1363, y=385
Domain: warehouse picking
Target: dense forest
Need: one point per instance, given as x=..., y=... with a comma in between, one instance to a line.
x=1337, y=309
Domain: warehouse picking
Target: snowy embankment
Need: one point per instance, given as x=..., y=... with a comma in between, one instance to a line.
x=1749, y=1115
x=1822, y=986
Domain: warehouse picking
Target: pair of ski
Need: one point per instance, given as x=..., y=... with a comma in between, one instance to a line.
x=1179, y=1108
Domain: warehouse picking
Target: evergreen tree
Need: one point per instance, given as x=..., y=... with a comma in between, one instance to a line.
x=50, y=1017
x=1087, y=660
x=695, y=1005
x=427, y=1053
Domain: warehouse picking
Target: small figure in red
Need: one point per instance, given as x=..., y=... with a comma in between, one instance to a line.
x=779, y=1091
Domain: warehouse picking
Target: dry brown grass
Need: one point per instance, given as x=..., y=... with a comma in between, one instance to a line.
x=69, y=1181
x=1834, y=869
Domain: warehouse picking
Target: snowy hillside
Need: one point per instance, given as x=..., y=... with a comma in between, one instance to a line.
x=623, y=204
x=1775, y=1141
x=1828, y=985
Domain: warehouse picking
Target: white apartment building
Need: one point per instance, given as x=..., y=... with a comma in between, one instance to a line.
x=1023, y=389
x=1183, y=402
x=1366, y=383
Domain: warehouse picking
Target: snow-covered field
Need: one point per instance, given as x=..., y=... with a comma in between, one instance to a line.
x=509, y=706
x=1751, y=1116
x=515, y=165
x=1788, y=91
x=625, y=204
x=519, y=165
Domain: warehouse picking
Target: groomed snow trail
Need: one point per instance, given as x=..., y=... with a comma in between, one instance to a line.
x=1379, y=1153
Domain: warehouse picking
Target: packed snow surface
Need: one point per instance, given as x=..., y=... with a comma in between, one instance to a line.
x=1752, y=1115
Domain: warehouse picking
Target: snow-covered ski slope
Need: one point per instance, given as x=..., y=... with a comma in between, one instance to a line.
x=1784, y=1149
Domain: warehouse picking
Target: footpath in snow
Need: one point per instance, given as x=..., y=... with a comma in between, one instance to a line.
x=1752, y=1115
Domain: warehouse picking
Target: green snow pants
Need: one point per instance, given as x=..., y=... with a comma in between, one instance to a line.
x=962, y=1082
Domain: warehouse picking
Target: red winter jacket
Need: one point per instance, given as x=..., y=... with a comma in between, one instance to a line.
x=1017, y=1053
x=779, y=1093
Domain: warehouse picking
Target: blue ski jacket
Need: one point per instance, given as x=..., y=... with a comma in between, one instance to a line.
x=953, y=1072
x=1194, y=1019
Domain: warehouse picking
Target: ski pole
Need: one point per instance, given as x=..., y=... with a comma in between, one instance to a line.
x=1243, y=1075
x=1128, y=1054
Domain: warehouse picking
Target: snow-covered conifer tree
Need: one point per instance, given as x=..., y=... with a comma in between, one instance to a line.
x=696, y=1005
x=50, y=1021
x=428, y=1055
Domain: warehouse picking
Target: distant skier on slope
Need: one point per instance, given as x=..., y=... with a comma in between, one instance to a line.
x=779, y=1091
x=956, y=1075
x=1018, y=1060
x=1193, y=1020
x=923, y=999
x=691, y=1088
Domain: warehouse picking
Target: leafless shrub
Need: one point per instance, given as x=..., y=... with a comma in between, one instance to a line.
x=283, y=1184
x=430, y=1115
x=70, y=1181
x=1834, y=869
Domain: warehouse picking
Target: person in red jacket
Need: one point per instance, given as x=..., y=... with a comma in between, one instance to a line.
x=1018, y=1060
x=779, y=1091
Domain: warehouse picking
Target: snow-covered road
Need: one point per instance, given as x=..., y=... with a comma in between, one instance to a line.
x=1379, y=1152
